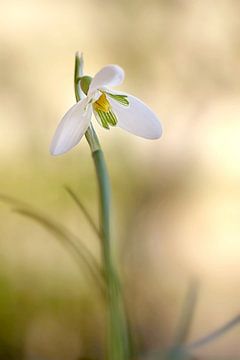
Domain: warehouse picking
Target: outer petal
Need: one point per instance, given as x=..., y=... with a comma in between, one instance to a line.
x=71, y=128
x=137, y=118
x=110, y=75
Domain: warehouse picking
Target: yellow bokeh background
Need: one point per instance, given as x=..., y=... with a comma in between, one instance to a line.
x=175, y=200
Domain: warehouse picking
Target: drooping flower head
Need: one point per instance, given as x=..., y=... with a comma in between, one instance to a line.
x=109, y=107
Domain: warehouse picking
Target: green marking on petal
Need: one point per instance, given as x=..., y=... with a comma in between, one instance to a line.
x=106, y=118
x=113, y=118
x=103, y=119
x=122, y=99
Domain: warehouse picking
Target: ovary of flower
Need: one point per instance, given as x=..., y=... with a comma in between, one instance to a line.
x=110, y=108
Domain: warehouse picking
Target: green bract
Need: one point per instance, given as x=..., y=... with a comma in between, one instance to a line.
x=85, y=83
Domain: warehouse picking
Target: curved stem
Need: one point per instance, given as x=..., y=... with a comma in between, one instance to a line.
x=118, y=342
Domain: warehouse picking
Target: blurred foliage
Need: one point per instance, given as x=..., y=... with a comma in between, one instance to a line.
x=175, y=202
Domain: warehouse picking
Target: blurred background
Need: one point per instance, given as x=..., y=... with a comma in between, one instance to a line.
x=176, y=201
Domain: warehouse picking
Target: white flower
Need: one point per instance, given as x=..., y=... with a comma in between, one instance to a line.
x=110, y=108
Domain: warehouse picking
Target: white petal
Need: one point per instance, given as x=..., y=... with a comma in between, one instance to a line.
x=71, y=128
x=110, y=75
x=137, y=118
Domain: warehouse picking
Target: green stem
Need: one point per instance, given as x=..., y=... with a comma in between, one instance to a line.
x=118, y=342
x=116, y=338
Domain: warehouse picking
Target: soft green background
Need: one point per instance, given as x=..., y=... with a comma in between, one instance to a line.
x=175, y=201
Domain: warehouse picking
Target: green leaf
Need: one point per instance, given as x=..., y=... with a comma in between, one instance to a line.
x=205, y=340
x=83, y=209
x=71, y=242
x=187, y=314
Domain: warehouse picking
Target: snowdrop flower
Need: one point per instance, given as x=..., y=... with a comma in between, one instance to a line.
x=109, y=107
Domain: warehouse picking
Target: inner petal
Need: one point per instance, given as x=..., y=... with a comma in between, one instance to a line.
x=106, y=119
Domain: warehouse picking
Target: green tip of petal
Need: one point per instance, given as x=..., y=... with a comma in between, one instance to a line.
x=122, y=99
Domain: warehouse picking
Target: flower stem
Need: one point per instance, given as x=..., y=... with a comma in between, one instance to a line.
x=117, y=332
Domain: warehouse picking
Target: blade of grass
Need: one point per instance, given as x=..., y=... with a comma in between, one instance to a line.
x=83, y=209
x=12, y=201
x=205, y=340
x=187, y=314
x=70, y=241
x=177, y=350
